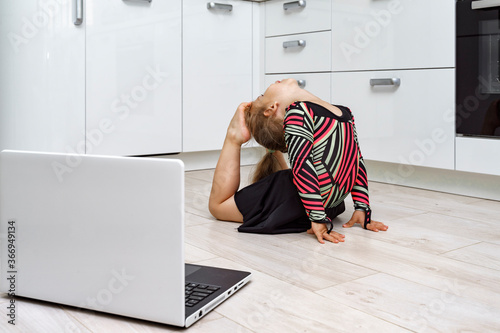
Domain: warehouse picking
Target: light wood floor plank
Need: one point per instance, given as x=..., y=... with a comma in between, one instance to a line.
x=310, y=269
x=414, y=306
x=476, y=282
x=437, y=202
x=456, y=226
x=482, y=254
x=409, y=232
x=37, y=316
x=101, y=322
x=273, y=305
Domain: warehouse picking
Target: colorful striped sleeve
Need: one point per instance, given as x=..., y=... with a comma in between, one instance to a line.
x=359, y=192
x=299, y=136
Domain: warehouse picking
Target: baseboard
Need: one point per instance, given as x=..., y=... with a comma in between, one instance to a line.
x=449, y=181
x=208, y=159
x=441, y=180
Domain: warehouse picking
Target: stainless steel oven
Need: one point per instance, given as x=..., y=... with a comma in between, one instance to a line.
x=478, y=68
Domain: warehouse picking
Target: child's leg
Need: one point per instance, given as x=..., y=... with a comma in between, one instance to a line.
x=227, y=172
x=225, y=184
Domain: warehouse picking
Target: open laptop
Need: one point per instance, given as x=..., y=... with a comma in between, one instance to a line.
x=103, y=233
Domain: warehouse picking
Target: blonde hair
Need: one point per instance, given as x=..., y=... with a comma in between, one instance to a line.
x=268, y=132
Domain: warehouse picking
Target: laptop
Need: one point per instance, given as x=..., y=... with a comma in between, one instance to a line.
x=103, y=233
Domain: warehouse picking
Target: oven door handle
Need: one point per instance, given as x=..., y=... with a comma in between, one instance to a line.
x=482, y=4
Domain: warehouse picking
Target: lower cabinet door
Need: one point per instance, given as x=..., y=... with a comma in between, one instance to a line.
x=479, y=155
x=133, y=83
x=404, y=117
x=42, y=77
x=217, y=69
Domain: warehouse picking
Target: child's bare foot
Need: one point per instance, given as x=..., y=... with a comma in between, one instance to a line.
x=237, y=130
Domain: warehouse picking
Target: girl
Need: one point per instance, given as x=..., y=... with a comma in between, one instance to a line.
x=326, y=165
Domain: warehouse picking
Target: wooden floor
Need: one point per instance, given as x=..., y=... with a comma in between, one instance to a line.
x=437, y=269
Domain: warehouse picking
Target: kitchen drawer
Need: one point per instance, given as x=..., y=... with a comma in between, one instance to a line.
x=312, y=56
x=316, y=83
x=478, y=155
x=383, y=34
x=413, y=123
x=310, y=16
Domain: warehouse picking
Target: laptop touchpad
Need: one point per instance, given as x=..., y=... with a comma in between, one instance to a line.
x=190, y=269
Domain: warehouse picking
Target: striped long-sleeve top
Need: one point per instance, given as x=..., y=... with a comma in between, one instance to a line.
x=325, y=158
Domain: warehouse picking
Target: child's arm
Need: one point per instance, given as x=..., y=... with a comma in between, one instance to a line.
x=299, y=135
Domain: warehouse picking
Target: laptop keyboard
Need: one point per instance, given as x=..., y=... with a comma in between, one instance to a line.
x=197, y=292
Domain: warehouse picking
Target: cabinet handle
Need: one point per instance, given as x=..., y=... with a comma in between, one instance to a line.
x=485, y=4
x=301, y=83
x=78, y=4
x=139, y=0
x=395, y=81
x=294, y=4
x=221, y=6
x=294, y=43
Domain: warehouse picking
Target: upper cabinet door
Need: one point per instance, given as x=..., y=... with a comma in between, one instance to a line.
x=217, y=69
x=392, y=34
x=133, y=78
x=42, y=77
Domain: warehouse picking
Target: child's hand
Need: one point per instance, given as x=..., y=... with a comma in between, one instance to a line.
x=321, y=232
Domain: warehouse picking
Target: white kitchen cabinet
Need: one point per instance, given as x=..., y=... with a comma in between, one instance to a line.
x=133, y=78
x=412, y=123
x=479, y=155
x=298, y=44
x=42, y=77
x=392, y=34
x=308, y=52
x=108, y=84
x=291, y=17
x=217, y=69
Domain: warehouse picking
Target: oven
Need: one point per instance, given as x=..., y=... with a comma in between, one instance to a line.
x=478, y=68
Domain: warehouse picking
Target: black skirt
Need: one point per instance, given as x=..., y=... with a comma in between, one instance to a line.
x=272, y=206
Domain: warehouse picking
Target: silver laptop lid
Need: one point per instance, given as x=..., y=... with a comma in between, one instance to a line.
x=102, y=233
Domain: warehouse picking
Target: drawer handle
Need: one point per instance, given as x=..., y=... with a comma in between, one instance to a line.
x=140, y=0
x=221, y=6
x=301, y=83
x=78, y=4
x=395, y=81
x=485, y=4
x=294, y=43
x=294, y=4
